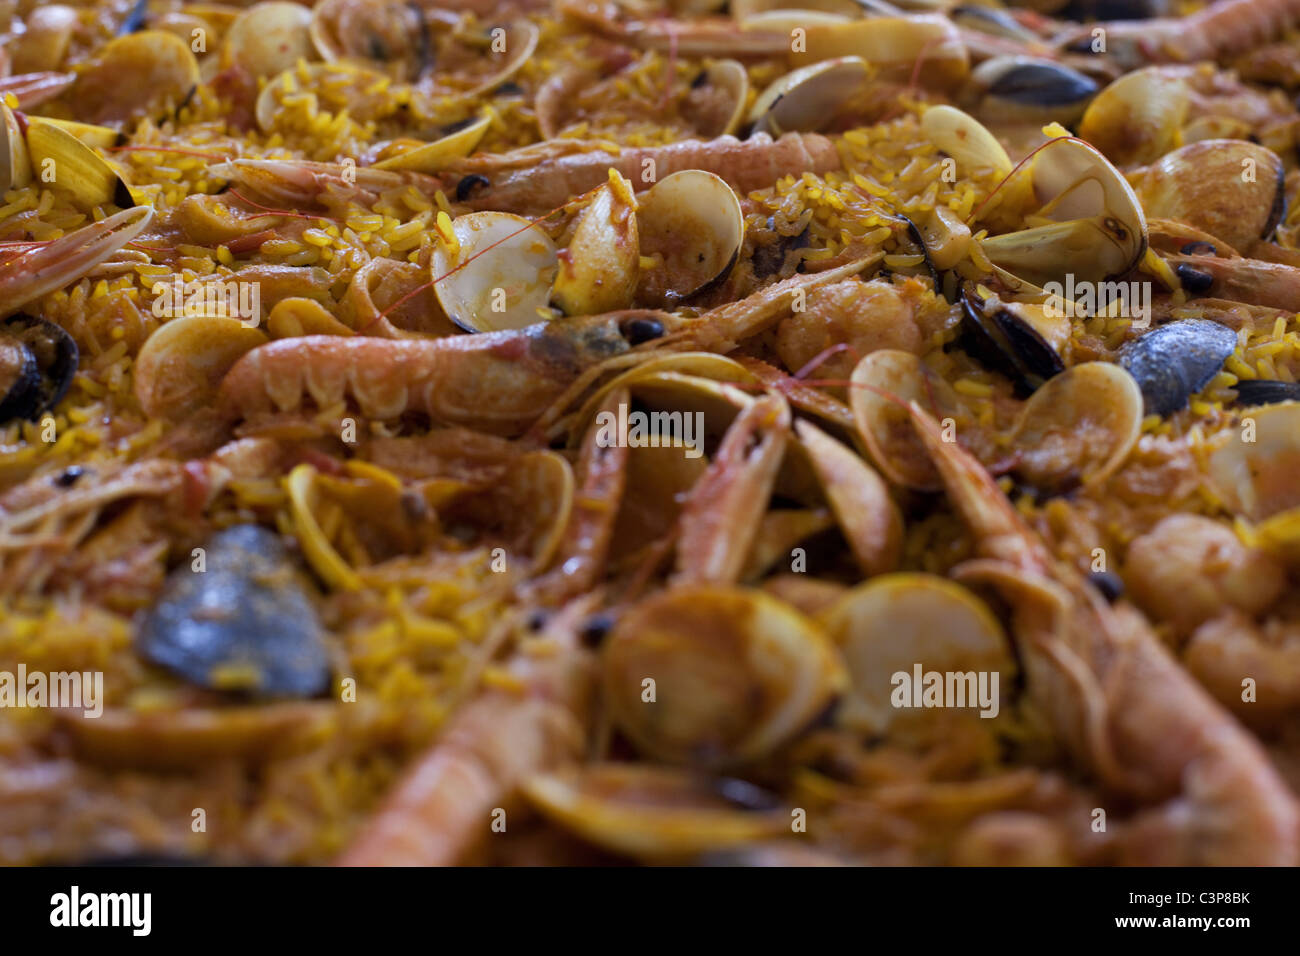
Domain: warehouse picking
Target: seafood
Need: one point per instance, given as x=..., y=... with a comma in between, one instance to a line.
x=1092, y=668
x=743, y=164
x=573, y=432
x=239, y=623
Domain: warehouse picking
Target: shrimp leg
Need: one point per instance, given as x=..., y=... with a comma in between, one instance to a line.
x=1119, y=700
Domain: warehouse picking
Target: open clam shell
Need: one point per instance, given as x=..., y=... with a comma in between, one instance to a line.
x=15, y=162
x=66, y=163
x=456, y=143
x=808, y=99
x=692, y=221
x=269, y=38
x=1079, y=427
x=898, y=623
x=599, y=270
x=656, y=813
x=499, y=273
x=736, y=673
x=716, y=104
x=136, y=76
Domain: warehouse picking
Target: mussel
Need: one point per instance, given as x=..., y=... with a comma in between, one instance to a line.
x=1175, y=361
x=1018, y=339
x=243, y=623
x=1032, y=89
x=1266, y=392
x=38, y=360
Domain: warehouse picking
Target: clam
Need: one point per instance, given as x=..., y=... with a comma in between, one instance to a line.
x=599, y=270
x=1021, y=340
x=1079, y=427
x=1032, y=89
x=269, y=38
x=656, y=813
x=1097, y=228
x=496, y=273
x=1173, y=362
x=520, y=42
x=1139, y=117
x=67, y=163
x=735, y=674
x=379, y=34
x=1205, y=185
x=243, y=624
x=38, y=360
x=15, y=161
x=905, y=623
x=1257, y=478
x=870, y=521
x=687, y=382
x=966, y=140
x=456, y=142
x=136, y=76
x=808, y=99
x=881, y=387
x=96, y=137
x=44, y=41
x=181, y=364
x=716, y=103
x=693, y=223
x=892, y=45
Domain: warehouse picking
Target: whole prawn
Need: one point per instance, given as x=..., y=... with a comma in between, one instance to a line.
x=1219, y=30
x=498, y=382
x=1123, y=706
x=746, y=166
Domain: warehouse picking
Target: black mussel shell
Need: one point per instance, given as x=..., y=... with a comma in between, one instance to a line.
x=39, y=362
x=1115, y=9
x=245, y=616
x=1042, y=84
x=1266, y=392
x=1175, y=361
x=19, y=379
x=1002, y=341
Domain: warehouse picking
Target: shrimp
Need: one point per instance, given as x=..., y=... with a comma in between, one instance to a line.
x=1122, y=705
x=1229, y=649
x=1220, y=30
x=33, y=89
x=499, y=382
x=60, y=262
x=722, y=517
x=862, y=317
x=491, y=746
x=1188, y=568
x=496, y=382
x=1249, y=281
x=701, y=36
x=755, y=163
x=603, y=476
x=300, y=184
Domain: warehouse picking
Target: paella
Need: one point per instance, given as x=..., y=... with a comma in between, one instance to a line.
x=740, y=432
